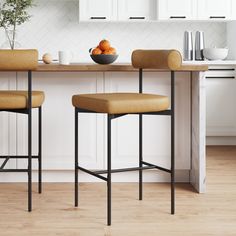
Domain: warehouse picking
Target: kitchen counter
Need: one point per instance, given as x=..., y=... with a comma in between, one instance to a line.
x=80, y=67
x=193, y=139
x=60, y=82
x=210, y=63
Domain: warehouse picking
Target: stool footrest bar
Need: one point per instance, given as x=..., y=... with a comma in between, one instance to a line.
x=126, y=169
x=156, y=167
x=18, y=157
x=14, y=170
x=92, y=173
x=4, y=163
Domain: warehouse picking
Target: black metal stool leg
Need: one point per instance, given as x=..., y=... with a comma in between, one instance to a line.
x=29, y=163
x=172, y=143
x=76, y=157
x=29, y=141
x=109, y=170
x=40, y=149
x=140, y=157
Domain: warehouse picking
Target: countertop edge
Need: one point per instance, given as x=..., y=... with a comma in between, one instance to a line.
x=86, y=67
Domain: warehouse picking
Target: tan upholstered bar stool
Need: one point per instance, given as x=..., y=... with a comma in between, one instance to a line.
x=116, y=105
x=23, y=102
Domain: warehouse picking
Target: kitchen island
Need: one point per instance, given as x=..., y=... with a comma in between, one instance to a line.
x=91, y=78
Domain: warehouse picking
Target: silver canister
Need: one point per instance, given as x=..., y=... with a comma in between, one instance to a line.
x=188, y=46
x=199, y=46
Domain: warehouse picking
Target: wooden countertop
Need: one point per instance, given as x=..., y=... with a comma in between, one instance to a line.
x=83, y=67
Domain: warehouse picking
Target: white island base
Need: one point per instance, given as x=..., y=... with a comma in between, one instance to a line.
x=58, y=125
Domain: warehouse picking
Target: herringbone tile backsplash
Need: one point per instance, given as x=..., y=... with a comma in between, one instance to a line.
x=54, y=26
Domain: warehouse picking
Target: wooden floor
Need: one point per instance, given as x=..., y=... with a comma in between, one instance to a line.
x=213, y=213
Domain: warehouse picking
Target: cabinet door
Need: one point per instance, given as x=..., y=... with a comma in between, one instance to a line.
x=58, y=121
x=133, y=10
x=214, y=9
x=8, y=144
x=233, y=10
x=177, y=9
x=97, y=10
x=156, y=129
x=221, y=97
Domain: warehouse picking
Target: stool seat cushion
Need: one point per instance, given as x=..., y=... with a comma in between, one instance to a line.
x=121, y=103
x=11, y=99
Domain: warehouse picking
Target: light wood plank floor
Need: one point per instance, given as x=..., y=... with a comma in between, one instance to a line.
x=213, y=213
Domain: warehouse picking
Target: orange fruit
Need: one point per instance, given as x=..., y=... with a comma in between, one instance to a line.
x=96, y=51
x=104, y=45
x=107, y=52
x=110, y=51
x=113, y=50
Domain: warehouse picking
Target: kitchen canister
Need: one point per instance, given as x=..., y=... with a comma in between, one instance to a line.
x=188, y=46
x=199, y=46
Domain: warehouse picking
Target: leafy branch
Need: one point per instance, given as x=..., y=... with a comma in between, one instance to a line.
x=12, y=14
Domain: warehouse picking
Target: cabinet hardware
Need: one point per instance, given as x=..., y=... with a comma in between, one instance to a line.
x=229, y=69
x=137, y=18
x=220, y=77
x=178, y=17
x=98, y=18
x=217, y=17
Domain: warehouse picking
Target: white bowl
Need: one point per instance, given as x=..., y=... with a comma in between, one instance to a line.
x=215, y=53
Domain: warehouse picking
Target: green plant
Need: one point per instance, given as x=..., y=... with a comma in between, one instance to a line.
x=13, y=13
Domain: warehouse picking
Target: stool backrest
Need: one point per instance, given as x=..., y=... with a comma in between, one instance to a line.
x=157, y=59
x=18, y=60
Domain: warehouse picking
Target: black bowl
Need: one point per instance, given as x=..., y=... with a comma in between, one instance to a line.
x=104, y=59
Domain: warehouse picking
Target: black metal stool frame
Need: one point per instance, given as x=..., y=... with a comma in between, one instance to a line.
x=143, y=165
x=28, y=112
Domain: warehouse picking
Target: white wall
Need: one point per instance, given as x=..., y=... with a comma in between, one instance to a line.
x=54, y=26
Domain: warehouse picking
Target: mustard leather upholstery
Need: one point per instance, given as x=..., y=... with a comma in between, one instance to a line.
x=157, y=59
x=119, y=103
x=18, y=99
x=18, y=60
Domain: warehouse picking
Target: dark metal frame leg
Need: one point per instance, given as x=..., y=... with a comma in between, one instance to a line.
x=172, y=143
x=40, y=149
x=140, y=157
x=29, y=141
x=140, y=140
x=109, y=118
x=76, y=158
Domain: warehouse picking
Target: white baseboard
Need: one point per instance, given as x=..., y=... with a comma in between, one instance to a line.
x=228, y=141
x=68, y=176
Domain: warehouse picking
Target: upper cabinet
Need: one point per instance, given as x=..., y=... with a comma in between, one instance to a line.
x=233, y=10
x=97, y=10
x=214, y=9
x=177, y=9
x=132, y=10
x=151, y=10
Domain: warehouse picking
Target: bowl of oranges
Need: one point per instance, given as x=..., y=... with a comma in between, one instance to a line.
x=103, y=54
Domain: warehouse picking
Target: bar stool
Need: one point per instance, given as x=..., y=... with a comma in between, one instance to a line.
x=22, y=102
x=116, y=105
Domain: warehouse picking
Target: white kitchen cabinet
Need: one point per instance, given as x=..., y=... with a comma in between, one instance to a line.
x=132, y=10
x=8, y=143
x=233, y=9
x=58, y=121
x=156, y=138
x=177, y=9
x=214, y=9
x=221, y=97
x=97, y=10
